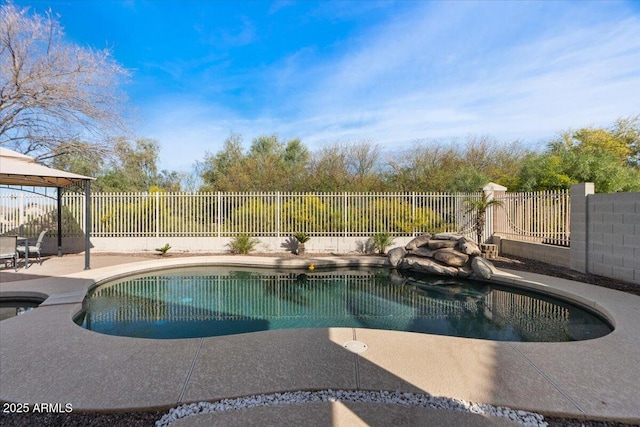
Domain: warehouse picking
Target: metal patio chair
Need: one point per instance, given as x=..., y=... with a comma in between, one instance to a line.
x=9, y=250
x=33, y=249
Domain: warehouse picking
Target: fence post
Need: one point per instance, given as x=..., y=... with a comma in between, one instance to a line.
x=579, y=246
x=87, y=224
x=59, y=219
x=219, y=213
x=344, y=213
x=157, y=214
x=278, y=207
x=493, y=191
x=21, y=215
x=413, y=214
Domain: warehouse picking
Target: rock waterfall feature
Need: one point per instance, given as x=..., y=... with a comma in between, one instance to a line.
x=445, y=254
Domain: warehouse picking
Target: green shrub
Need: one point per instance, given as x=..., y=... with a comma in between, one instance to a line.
x=302, y=237
x=163, y=250
x=243, y=244
x=381, y=242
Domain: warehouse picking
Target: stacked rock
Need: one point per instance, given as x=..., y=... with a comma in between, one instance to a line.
x=443, y=253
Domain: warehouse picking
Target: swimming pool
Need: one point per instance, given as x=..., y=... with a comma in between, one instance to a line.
x=215, y=301
x=11, y=307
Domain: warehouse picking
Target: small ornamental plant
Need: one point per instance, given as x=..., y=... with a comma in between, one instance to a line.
x=163, y=250
x=243, y=244
x=381, y=242
x=302, y=238
x=479, y=207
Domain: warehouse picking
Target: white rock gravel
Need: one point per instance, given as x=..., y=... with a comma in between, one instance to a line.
x=525, y=418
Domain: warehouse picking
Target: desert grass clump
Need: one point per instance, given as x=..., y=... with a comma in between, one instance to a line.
x=243, y=244
x=381, y=242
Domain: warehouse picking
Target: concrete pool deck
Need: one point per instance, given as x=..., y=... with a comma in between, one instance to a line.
x=45, y=357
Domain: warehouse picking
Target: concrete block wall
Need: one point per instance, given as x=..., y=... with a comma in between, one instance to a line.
x=605, y=233
x=337, y=245
x=555, y=255
x=614, y=236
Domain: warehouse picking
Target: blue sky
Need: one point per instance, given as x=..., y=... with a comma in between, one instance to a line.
x=389, y=72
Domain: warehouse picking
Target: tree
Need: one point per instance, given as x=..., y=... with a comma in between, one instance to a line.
x=347, y=167
x=53, y=92
x=134, y=167
x=627, y=130
x=217, y=168
x=89, y=163
x=170, y=181
x=606, y=157
x=543, y=171
x=269, y=165
x=463, y=167
x=365, y=166
x=479, y=207
x=329, y=170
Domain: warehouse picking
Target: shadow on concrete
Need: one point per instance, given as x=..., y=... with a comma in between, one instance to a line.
x=291, y=244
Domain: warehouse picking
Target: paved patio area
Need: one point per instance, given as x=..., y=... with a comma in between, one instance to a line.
x=45, y=357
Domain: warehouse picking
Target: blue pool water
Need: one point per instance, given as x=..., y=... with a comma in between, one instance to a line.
x=187, y=303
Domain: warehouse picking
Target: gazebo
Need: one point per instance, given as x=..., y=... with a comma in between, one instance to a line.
x=19, y=170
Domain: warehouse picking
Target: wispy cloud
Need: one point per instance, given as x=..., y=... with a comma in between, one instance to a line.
x=439, y=70
x=577, y=75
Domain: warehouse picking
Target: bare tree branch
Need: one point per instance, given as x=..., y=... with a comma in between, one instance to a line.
x=53, y=92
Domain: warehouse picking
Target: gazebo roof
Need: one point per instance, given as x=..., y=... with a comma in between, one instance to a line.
x=19, y=169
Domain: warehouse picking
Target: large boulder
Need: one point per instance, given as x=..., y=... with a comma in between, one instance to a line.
x=468, y=247
x=465, y=271
x=396, y=255
x=439, y=244
x=445, y=254
x=482, y=268
x=451, y=257
x=447, y=236
x=427, y=265
x=396, y=278
x=423, y=252
x=417, y=242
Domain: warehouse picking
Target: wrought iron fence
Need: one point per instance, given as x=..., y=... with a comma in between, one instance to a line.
x=274, y=214
x=541, y=217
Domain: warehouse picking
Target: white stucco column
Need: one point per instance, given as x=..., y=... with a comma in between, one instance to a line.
x=578, y=248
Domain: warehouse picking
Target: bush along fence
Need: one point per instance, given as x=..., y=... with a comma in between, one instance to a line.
x=532, y=216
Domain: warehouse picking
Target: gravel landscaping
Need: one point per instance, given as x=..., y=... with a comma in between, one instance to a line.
x=528, y=419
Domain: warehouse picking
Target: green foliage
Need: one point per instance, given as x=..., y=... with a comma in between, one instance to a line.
x=83, y=159
x=131, y=167
x=606, y=157
x=268, y=165
x=301, y=237
x=610, y=157
x=306, y=213
x=311, y=212
x=163, y=250
x=243, y=244
x=394, y=215
x=381, y=242
x=627, y=130
x=543, y=172
x=462, y=167
x=479, y=207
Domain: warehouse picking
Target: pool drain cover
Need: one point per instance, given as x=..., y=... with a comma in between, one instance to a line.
x=356, y=346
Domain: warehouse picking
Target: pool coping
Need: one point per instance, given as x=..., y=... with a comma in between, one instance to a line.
x=593, y=379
